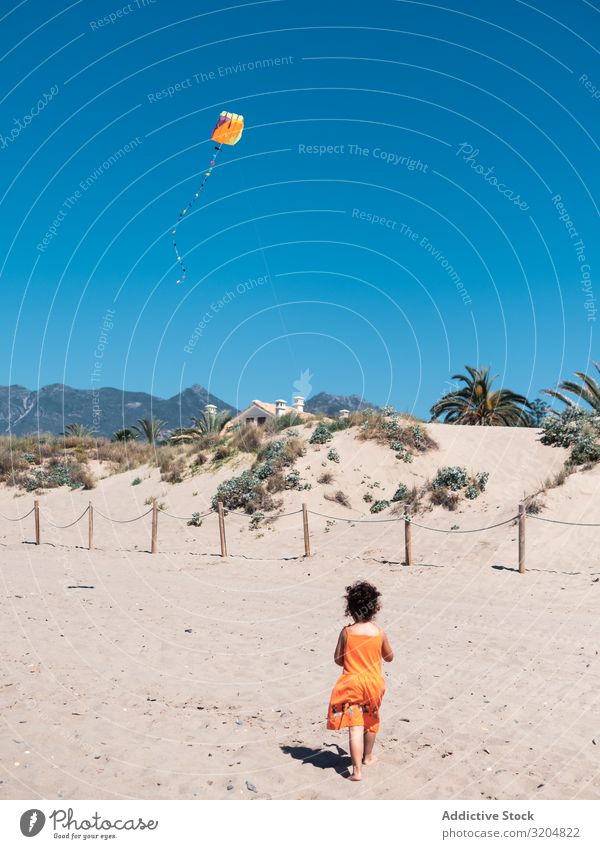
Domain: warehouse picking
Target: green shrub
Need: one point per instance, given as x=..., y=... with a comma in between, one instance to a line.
x=378, y=506
x=340, y=424
x=400, y=432
x=401, y=494
x=480, y=480
x=576, y=429
x=256, y=520
x=252, y=489
x=195, y=521
x=264, y=470
x=585, y=450
x=333, y=455
x=244, y=491
x=402, y=453
x=321, y=435
x=291, y=419
x=61, y=474
x=450, y=477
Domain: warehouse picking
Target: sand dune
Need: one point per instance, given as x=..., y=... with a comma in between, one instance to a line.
x=182, y=675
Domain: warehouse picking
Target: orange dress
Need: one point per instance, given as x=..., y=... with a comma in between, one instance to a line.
x=358, y=692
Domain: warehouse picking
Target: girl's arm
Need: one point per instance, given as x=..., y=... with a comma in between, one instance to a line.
x=386, y=649
x=340, y=648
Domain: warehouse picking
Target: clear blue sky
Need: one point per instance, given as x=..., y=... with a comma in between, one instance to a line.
x=459, y=122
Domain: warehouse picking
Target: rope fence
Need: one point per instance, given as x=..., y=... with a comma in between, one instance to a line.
x=221, y=512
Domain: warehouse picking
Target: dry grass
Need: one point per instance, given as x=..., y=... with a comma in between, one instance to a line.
x=294, y=448
x=247, y=438
x=275, y=482
x=222, y=452
x=172, y=463
x=339, y=497
x=444, y=497
x=326, y=478
x=558, y=479
x=534, y=504
x=123, y=456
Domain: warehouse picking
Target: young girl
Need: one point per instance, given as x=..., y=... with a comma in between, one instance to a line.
x=357, y=695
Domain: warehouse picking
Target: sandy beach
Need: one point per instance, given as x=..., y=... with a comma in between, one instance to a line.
x=183, y=675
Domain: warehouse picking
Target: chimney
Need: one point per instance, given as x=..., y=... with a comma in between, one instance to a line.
x=280, y=408
x=298, y=403
x=210, y=410
x=344, y=414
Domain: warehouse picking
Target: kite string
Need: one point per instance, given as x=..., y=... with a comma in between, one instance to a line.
x=186, y=209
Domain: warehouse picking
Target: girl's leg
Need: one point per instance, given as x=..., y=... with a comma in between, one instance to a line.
x=369, y=742
x=356, y=733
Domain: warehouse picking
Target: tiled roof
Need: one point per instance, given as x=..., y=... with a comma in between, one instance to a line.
x=267, y=408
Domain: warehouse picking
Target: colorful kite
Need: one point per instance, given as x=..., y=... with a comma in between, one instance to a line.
x=228, y=130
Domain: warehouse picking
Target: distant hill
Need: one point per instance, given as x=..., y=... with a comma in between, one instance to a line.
x=330, y=405
x=51, y=408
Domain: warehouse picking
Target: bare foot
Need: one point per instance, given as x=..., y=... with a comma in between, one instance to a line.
x=370, y=759
x=356, y=776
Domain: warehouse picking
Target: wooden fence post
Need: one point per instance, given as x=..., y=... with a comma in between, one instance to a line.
x=522, y=518
x=36, y=516
x=154, y=526
x=222, y=529
x=90, y=525
x=407, y=537
x=306, y=531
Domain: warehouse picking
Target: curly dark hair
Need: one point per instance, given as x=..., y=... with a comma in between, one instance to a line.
x=362, y=601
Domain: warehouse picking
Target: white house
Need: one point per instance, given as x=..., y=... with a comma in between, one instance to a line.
x=259, y=412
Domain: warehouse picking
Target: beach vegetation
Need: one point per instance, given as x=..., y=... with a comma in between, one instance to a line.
x=378, y=506
x=321, y=434
x=325, y=478
x=577, y=429
x=477, y=403
x=78, y=430
x=125, y=434
x=339, y=496
x=151, y=429
x=586, y=390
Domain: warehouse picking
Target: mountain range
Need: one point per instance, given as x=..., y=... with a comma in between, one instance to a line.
x=51, y=408
x=330, y=405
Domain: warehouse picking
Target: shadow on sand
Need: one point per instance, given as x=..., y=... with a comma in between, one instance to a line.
x=338, y=761
x=502, y=568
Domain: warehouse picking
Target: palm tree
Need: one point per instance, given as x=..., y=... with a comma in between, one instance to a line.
x=126, y=434
x=77, y=430
x=150, y=428
x=588, y=390
x=477, y=404
x=209, y=422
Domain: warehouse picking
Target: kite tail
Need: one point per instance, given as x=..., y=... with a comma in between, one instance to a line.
x=186, y=209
